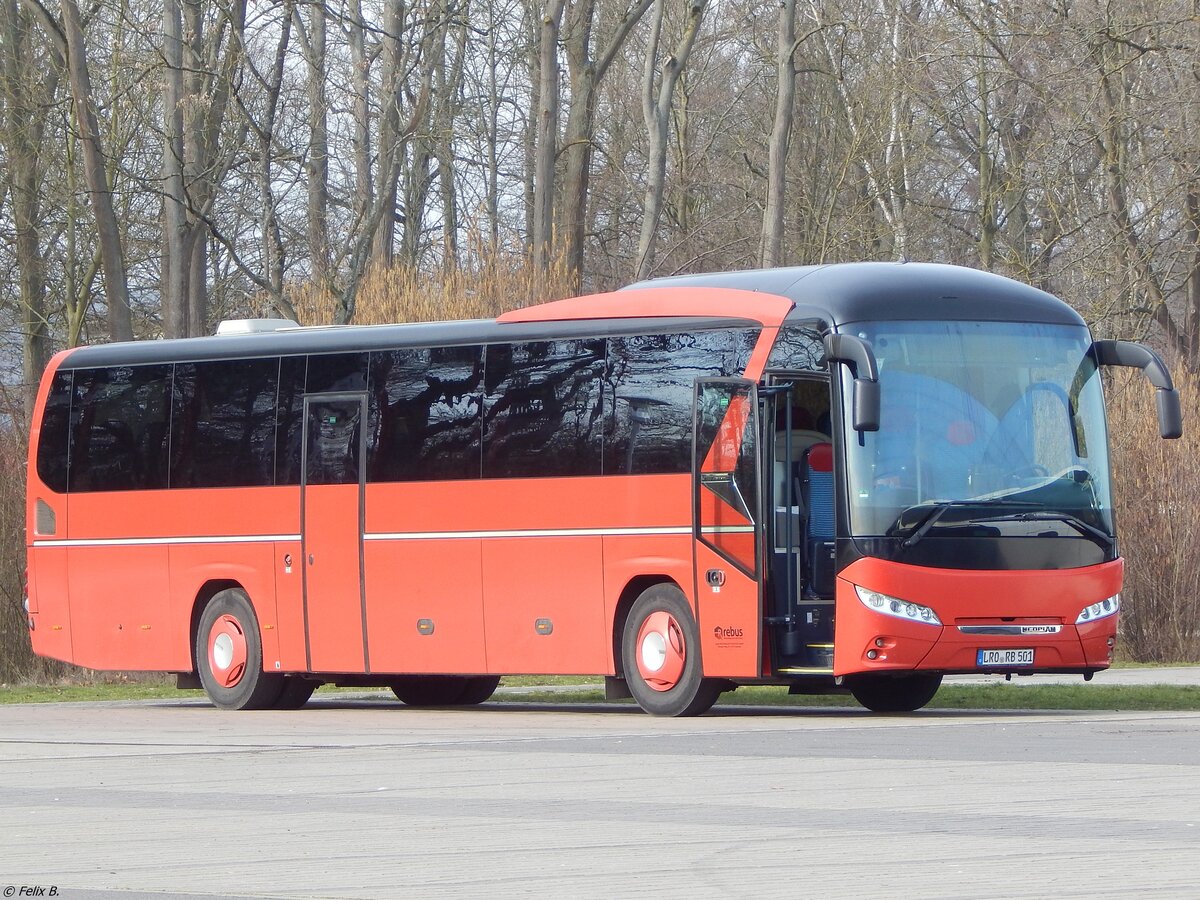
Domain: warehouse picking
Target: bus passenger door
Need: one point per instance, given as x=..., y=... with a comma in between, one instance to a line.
x=331, y=522
x=726, y=526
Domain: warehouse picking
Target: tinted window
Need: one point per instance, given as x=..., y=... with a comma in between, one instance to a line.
x=425, y=414
x=333, y=441
x=290, y=419
x=120, y=428
x=223, y=423
x=798, y=348
x=337, y=372
x=542, y=412
x=649, y=392
x=52, y=436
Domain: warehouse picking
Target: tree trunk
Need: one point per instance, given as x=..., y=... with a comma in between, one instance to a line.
x=546, y=147
x=116, y=289
x=23, y=128
x=174, y=265
x=585, y=73
x=771, y=253
x=313, y=42
x=390, y=147
x=656, y=111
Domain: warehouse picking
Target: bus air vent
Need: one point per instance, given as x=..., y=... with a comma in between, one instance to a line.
x=46, y=522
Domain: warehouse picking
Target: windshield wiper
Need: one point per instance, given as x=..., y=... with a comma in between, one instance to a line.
x=939, y=509
x=1086, y=529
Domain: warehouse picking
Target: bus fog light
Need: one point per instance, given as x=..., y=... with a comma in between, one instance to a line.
x=1102, y=610
x=894, y=606
x=880, y=642
x=872, y=654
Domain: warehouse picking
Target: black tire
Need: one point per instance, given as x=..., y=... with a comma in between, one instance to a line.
x=429, y=690
x=296, y=691
x=894, y=693
x=679, y=688
x=229, y=655
x=479, y=689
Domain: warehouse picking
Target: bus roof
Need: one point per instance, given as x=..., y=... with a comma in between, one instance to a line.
x=844, y=293
x=597, y=315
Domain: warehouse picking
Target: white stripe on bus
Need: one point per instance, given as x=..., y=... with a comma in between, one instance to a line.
x=373, y=536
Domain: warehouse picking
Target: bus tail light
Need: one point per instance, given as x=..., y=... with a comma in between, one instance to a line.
x=894, y=606
x=1102, y=610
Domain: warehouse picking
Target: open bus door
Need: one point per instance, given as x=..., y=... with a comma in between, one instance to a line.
x=727, y=526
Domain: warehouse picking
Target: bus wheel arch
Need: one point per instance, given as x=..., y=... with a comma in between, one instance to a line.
x=227, y=650
x=660, y=654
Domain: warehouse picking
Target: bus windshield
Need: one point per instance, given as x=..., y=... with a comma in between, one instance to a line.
x=986, y=429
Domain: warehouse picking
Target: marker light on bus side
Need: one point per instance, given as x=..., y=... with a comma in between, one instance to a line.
x=894, y=606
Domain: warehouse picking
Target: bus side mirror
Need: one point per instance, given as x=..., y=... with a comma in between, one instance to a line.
x=857, y=353
x=1135, y=356
x=866, y=405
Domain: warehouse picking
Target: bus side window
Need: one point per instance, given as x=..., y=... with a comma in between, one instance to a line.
x=120, y=428
x=542, y=409
x=424, y=414
x=223, y=423
x=289, y=421
x=648, y=395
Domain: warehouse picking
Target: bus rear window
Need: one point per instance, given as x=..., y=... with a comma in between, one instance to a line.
x=52, y=437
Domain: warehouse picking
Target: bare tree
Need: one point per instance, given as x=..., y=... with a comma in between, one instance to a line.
x=68, y=36
x=658, y=91
x=25, y=108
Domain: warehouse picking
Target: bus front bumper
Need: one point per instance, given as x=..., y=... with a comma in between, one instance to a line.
x=959, y=622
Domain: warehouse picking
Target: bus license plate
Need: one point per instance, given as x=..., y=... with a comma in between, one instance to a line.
x=988, y=658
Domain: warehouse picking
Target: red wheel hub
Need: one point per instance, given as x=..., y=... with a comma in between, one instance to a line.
x=661, y=651
x=227, y=653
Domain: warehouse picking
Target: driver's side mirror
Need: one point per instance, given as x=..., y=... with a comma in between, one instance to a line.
x=857, y=353
x=1135, y=356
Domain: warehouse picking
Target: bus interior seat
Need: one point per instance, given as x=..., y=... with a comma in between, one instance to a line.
x=817, y=491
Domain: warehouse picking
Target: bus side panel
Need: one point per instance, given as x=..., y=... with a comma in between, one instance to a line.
x=289, y=605
x=121, y=616
x=543, y=605
x=425, y=605
x=50, y=610
x=629, y=556
x=249, y=564
x=729, y=618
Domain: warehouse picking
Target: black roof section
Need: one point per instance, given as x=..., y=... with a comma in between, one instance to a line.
x=844, y=293
x=358, y=338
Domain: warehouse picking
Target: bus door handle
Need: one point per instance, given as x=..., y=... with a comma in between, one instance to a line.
x=310, y=559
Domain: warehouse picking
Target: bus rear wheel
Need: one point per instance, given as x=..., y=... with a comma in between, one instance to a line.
x=229, y=654
x=660, y=655
x=479, y=689
x=295, y=693
x=894, y=693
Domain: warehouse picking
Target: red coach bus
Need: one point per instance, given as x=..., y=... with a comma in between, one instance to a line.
x=854, y=477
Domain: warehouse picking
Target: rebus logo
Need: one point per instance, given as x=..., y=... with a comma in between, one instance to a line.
x=725, y=633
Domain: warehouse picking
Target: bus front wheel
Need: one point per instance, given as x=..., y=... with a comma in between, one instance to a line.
x=894, y=693
x=229, y=654
x=660, y=654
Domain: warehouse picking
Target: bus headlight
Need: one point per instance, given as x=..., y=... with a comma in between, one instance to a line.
x=894, y=606
x=1101, y=610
